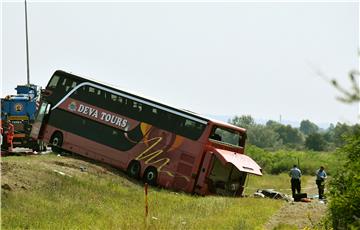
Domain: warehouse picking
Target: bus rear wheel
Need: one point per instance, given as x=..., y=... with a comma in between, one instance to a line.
x=56, y=141
x=150, y=175
x=133, y=169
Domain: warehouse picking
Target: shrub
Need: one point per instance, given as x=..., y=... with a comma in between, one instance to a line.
x=344, y=206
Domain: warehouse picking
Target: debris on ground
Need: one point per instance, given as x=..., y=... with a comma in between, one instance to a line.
x=82, y=168
x=271, y=193
x=61, y=173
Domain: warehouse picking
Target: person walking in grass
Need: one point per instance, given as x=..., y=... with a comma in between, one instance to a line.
x=295, y=174
x=320, y=181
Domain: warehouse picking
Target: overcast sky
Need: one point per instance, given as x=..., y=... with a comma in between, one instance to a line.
x=227, y=59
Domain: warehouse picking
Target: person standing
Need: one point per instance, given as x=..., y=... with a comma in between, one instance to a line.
x=295, y=174
x=320, y=181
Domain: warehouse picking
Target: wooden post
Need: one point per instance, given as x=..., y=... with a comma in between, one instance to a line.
x=146, y=201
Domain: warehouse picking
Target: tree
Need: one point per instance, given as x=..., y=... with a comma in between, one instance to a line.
x=344, y=204
x=290, y=136
x=340, y=131
x=352, y=95
x=307, y=127
x=264, y=137
x=244, y=121
x=315, y=141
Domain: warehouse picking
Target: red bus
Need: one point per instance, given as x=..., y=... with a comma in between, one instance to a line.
x=163, y=145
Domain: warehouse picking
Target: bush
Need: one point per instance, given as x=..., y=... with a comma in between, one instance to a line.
x=344, y=206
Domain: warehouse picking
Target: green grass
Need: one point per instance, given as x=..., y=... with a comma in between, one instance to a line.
x=281, y=161
x=104, y=198
x=280, y=183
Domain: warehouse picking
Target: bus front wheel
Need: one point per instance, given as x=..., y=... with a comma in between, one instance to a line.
x=56, y=141
x=133, y=169
x=150, y=175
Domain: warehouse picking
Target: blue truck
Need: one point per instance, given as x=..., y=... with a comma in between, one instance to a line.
x=20, y=110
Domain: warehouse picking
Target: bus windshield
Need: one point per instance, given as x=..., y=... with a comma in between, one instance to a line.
x=228, y=136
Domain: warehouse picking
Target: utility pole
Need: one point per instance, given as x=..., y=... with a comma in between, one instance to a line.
x=27, y=46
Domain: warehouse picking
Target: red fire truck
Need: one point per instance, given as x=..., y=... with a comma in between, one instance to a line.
x=163, y=145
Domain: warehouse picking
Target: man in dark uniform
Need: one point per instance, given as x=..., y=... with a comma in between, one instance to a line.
x=295, y=175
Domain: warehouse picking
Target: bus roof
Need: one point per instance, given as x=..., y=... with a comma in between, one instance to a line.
x=139, y=97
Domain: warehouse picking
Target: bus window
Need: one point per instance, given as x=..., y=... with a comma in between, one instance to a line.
x=64, y=82
x=137, y=106
x=69, y=84
x=73, y=85
x=113, y=97
x=121, y=100
x=228, y=136
x=91, y=90
x=54, y=81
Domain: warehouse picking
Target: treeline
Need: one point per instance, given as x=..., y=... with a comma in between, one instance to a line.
x=274, y=135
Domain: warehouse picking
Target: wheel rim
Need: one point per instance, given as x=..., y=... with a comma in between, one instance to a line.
x=150, y=176
x=134, y=169
x=56, y=141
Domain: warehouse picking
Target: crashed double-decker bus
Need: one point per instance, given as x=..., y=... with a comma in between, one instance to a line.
x=163, y=145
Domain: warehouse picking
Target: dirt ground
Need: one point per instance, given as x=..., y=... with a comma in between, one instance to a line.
x=300, y=214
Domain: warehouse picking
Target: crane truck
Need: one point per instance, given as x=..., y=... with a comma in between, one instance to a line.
x=20, y=110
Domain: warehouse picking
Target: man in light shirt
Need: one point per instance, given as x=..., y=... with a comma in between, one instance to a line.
x=295, y=175
x=320, y=181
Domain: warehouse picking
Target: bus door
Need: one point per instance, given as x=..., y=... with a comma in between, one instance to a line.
x=37, y=126
x=201, y=186
x=229, y=171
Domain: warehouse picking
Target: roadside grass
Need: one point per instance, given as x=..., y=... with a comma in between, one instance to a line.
x=280, y=183
x=50, y=192
x=280, y=161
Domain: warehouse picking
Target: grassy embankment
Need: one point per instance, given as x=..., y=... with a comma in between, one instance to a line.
x=36, y=195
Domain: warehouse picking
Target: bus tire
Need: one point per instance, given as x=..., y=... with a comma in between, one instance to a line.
x=150, y=175
x=56, y=141
x=134, y=169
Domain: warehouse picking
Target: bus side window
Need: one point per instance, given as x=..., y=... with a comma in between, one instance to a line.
x=64, y=82
x=105, y=95
x=54, y=81
x=137, y=106
x=80, y=94
x=73, y=85
x=100, y=98
x=113, y=97
x=69, y=84
x=91, y=89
